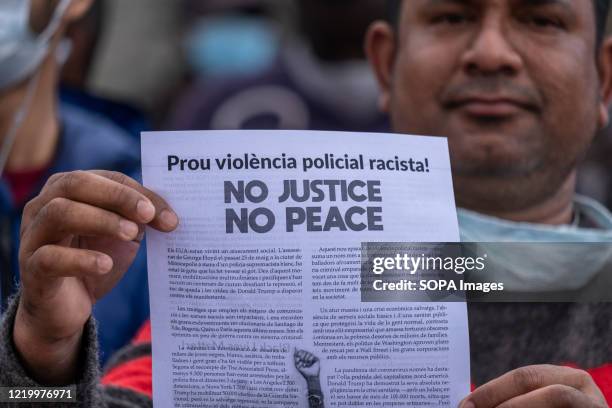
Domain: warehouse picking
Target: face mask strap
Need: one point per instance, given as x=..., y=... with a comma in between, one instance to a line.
x=53, y=25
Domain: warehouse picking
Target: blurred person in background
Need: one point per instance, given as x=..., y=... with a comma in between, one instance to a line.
x=230, y=38
x=40, y=136
x=318, y=78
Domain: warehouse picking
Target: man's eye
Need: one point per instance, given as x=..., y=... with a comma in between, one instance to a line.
x=451, y=18
x=545, y=22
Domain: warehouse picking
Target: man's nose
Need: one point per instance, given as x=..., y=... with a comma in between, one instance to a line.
x=491, y=53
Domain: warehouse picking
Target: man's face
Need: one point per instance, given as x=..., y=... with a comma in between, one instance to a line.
x=513, y=84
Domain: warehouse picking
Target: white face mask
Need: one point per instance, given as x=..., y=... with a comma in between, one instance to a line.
x=21, y=50
x=524, y=268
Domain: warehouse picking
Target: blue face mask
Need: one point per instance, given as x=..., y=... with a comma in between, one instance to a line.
x=232, y=45
x=21, y=50
x=523, y=268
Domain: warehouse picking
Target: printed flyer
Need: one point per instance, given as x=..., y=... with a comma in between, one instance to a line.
x=256, y=299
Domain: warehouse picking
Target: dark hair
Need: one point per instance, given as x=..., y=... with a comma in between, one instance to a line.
x=601, y=7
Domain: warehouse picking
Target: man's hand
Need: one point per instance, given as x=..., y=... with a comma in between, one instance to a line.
x=542, y=386
x=78, y=238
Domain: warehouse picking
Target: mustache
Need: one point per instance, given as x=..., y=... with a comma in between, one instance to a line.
x=493, y=87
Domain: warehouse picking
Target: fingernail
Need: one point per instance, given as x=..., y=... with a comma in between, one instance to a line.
x=104, y=263
x=468, y=404
x=128, y=229
x=168, y=219
x=145, y=210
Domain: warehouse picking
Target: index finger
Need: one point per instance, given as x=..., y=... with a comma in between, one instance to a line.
x=525, y=380
x=165, y=218
x=111, y=191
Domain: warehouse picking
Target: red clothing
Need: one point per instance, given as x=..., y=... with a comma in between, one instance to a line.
x=24, y=183
x=603, y=379
x=135, y=374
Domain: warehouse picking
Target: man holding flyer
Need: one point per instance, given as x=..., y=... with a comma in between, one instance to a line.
x=519, y=88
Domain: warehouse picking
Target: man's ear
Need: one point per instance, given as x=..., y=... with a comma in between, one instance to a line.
x=76, y=10
x=380, y=47
x=605, y=74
